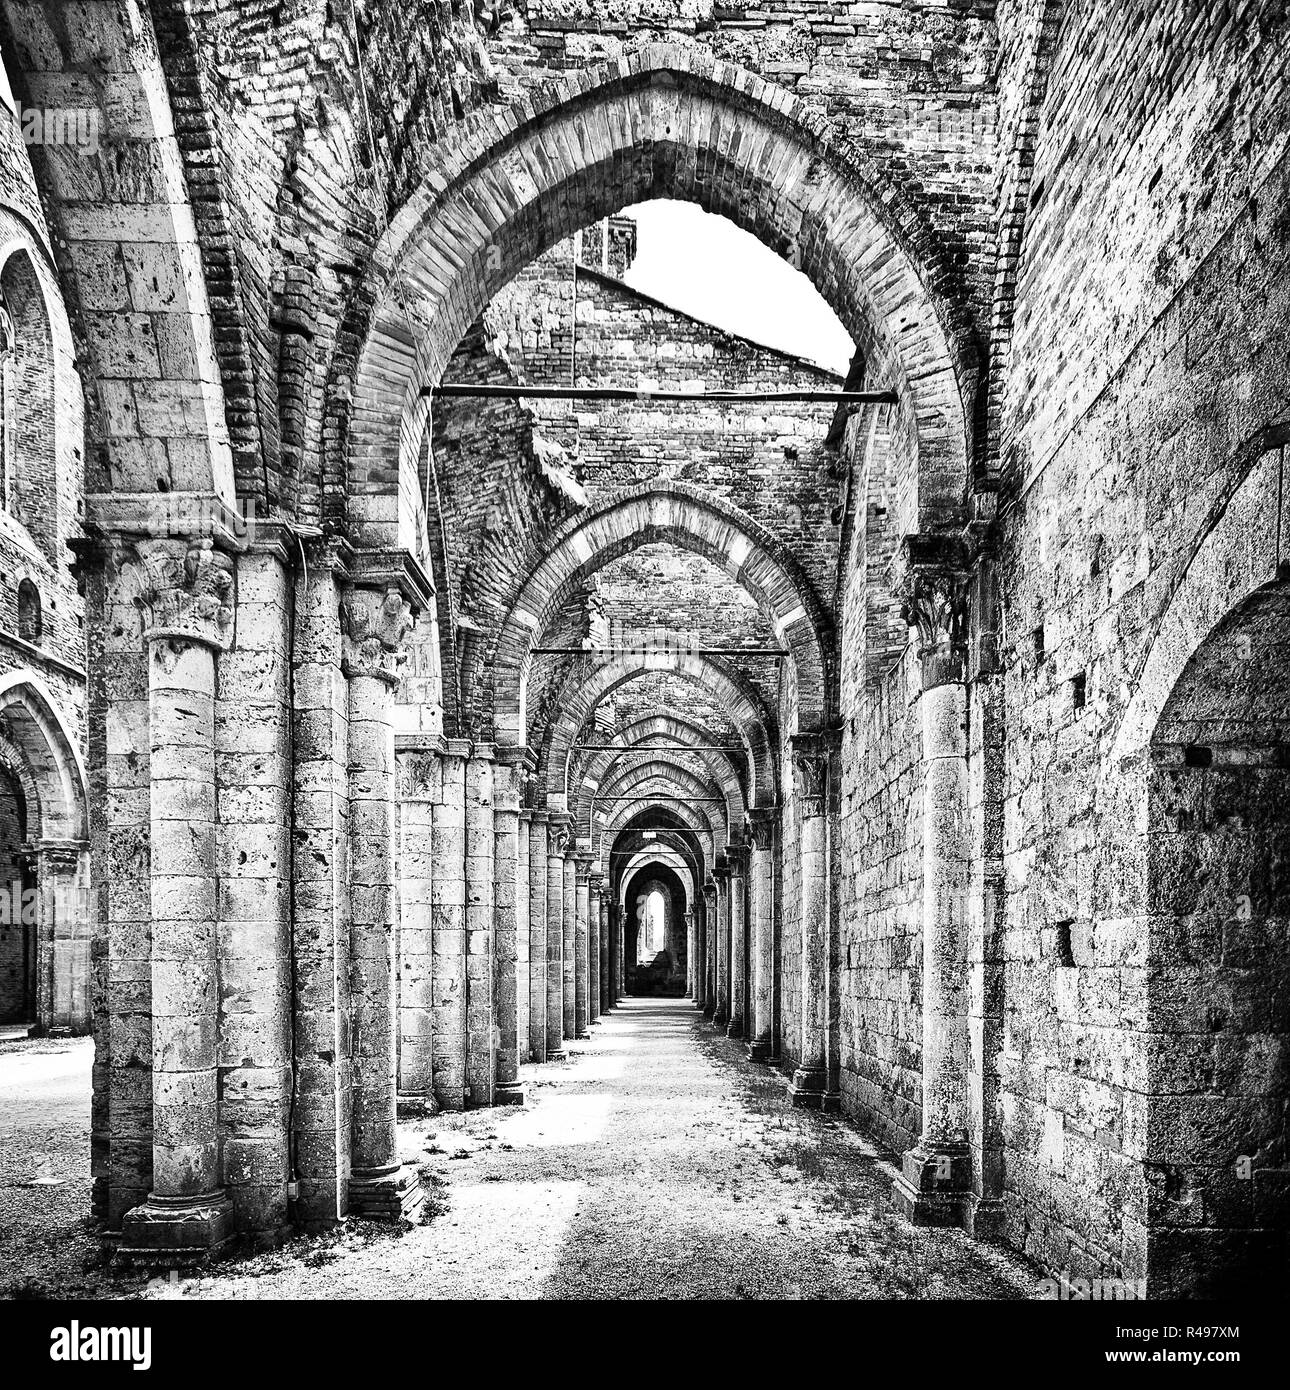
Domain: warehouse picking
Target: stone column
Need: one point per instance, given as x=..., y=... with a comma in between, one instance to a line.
x=320, y=881
x=606, y=950
x=582, y=943
x=418, y=782
x=721, y=1011
x=761, y=830
x=538, y=959
x=558, y=832
x=570, y=997
x=186, y=593
x=935, y=1183
x=60, y=870
x=738, y=855
x=481, y=1052
x=507, y=892
x=523, y=889
x=710, y=948
x=811, y=785
x=448, y=915
x=376, y=621
x=595, y=965
x=690, y=990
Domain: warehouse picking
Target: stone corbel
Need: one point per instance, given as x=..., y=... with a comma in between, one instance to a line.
x=375, y=624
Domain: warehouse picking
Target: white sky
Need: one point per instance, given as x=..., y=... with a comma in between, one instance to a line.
x=714, y=270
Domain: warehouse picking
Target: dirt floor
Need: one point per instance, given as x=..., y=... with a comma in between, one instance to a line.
x=655, y=1163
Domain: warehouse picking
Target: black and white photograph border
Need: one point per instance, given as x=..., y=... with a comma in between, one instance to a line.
x=645, y=655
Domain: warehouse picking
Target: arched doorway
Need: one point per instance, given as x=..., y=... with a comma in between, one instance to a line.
x=1218, y=998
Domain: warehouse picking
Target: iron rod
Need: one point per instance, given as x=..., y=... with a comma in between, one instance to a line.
x=496, y=391
x=666, y=651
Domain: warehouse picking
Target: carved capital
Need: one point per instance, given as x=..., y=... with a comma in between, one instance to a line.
x=561, y=832
x=374, y=625
x=761, y=828
x=184, y=589
x=932, y=578
x=811, y=770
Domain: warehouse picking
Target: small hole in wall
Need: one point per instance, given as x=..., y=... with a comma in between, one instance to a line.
x=1037, y=637
x=1065, y=951
x=1196, y=755
x=1079, y=690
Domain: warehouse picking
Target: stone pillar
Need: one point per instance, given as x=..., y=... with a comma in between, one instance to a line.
x=60, y=869
x=606, y=950
x=418, y=781
x=448, y=915
x=570, y=997
x=523, y=890
x=481, y=1051
x=761, y=830
x=690, y=990
x=508, y=889
x=710, y=921
x=935, y=1183
x=186, y=593
x=539, y=838
x=811, y=784
x=320, y=880
x=721, y=1011
x=558, y=833
x=254, y=930
x=738, y=855
x=376, y=621
x=581, y=864
x=595, y=968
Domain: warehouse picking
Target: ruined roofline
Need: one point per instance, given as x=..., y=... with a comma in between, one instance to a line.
x=613, y=282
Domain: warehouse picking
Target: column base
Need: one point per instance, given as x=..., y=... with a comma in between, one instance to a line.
x=559, y=1055
x=720, y=1018
x=985, y=1219
x=416, y=1105
x=735, y=1028
x=934, y=1187
x=508, y=1093
x=808, y=1087
x=176, y=1230
x=582, y=1037
x=759, y=1050
x=391, y=1195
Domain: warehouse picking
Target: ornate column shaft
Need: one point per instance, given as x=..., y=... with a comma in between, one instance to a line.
x=558, y=832
x=185, y=591
x=538, y=958
x=935, y=1183
x=761, y=830
x=375, y=624
x=811, y=785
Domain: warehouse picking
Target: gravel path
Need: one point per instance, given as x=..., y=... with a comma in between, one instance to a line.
x=655, y=1163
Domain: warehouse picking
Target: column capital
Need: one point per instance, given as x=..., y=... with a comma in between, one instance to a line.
x=583, y=859
x=560, y=826
x=737, y=859
x=931, y=576
x=184, y=589
x=761, y=827
x=374, y=624
x=811, y=752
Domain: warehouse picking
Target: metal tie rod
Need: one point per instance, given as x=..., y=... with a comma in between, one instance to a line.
x=494, y=391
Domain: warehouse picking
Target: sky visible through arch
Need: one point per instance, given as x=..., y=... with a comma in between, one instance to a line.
x=705, y=265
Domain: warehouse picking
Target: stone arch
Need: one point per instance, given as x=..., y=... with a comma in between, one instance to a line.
x=667, y=766
x=580, y=698
x=689, y=518
x=1217, y=899
x=57, y=800
x=653, y=802
x=129, y=250
x=643, y=862
x=664, y=122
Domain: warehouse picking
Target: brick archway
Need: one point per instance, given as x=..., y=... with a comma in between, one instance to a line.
x=582, y=695
x=695, y=521
x=666, y=122
x=679, y=781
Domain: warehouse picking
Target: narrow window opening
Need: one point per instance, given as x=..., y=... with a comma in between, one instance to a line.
x=1065, y=950
x=1079, y=690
